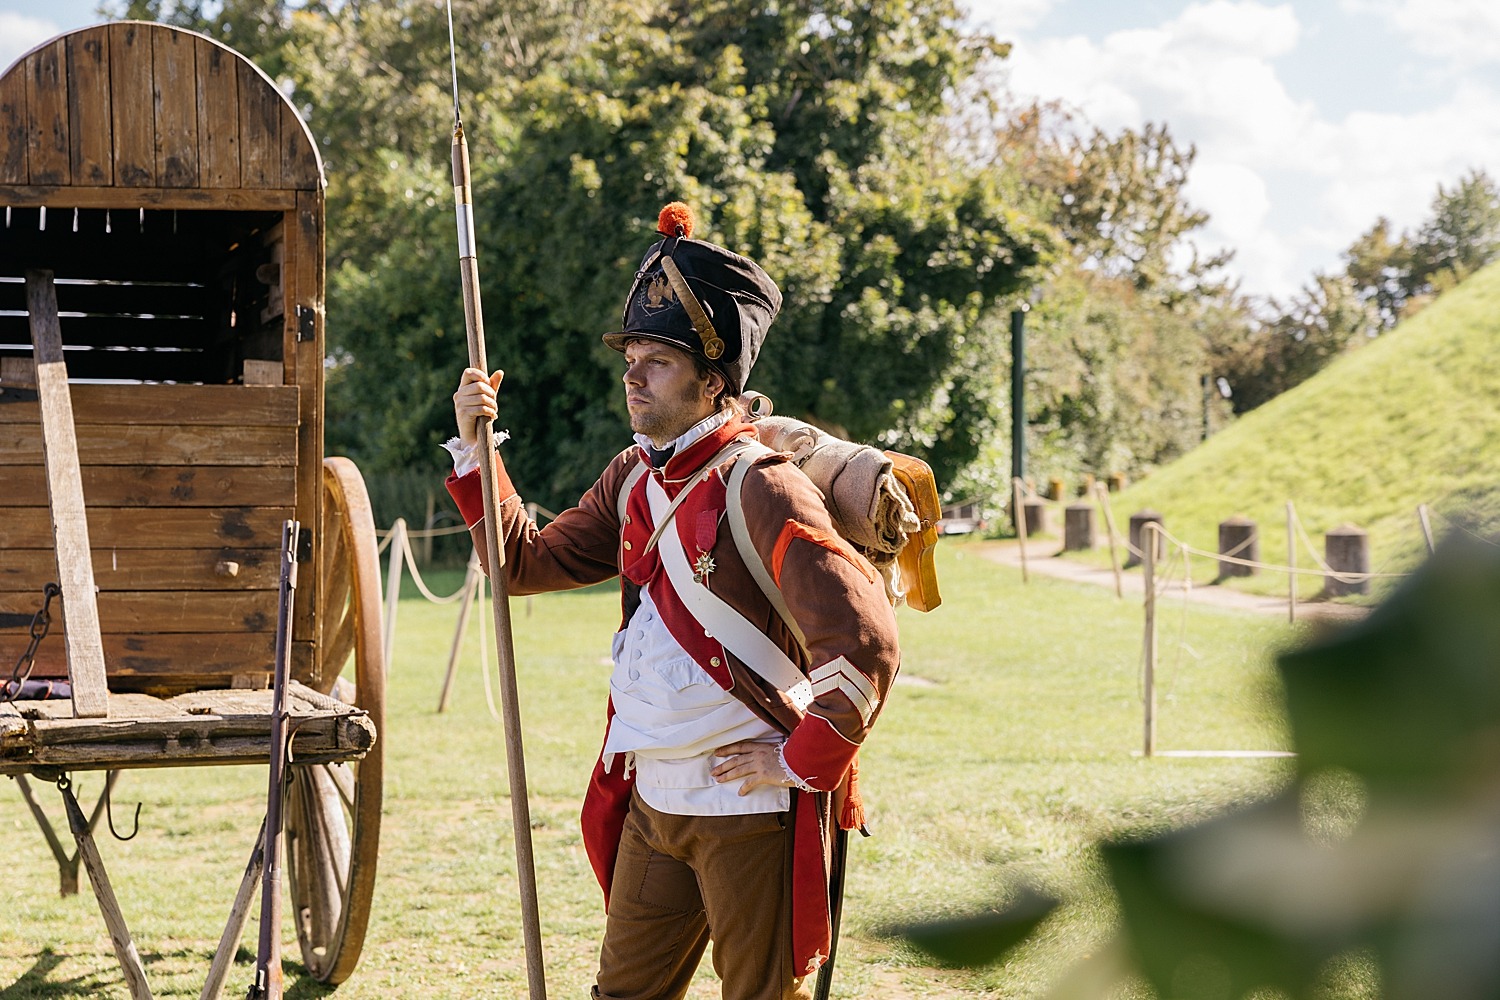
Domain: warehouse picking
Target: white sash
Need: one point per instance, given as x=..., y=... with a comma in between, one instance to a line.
x=722, y=622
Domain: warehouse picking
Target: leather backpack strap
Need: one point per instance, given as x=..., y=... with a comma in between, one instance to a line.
x=740, y=531
x=752, y=646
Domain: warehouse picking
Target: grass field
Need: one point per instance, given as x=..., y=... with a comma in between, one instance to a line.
x=1413, y=417
x=1008, y=747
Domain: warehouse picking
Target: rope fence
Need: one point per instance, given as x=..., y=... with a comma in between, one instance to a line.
x=1167, y=566
x=395, y=543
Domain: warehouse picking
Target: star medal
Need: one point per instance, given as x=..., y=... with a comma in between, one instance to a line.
x=703, y=566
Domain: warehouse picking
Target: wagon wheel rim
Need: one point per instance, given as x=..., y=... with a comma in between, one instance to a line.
x=333, y=810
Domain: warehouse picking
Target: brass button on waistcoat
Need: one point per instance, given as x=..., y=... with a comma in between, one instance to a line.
x=627, y=545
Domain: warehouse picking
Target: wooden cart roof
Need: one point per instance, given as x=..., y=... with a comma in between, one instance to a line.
x=136, y=113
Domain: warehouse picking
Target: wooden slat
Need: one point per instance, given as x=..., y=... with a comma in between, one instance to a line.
x=299, y=165
x=26, y=571
x=133, y=126
x=95, y=297
x=150, y=528
x=271, y=199
x=165, y=366
x=163, y=654
x=303, y=278
x=128, y=445
x=260, y=130
x=160, y=486
x=218, y=116
x=69, y=528
x=118, y=331
x=47, y=100
x=175, y=91
x=90, y=124
x=173, y=405
x=15, y=125
x=150, y=611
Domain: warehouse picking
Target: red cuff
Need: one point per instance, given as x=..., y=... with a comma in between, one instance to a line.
x=468, y=492
x=817, y=753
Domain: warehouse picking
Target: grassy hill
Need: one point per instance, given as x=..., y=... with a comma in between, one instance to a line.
x=1411, y=418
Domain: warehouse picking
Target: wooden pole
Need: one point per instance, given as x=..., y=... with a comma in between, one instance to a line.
x=472, y=580
x=1426, y=527
x=1148, y=570
x=109, y=906
x=394, y=563
x=500, y=590
x=1102, y=492
x=239, y=914
x=70, y=531
x=1291, y=563
x=1020, y=514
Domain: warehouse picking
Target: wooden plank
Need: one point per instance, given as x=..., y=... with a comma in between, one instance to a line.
x=103, y=444
x=192, y=742
x=125, y=331
x=25, y=571
x=47, y=105
x=303, y=276
x=260, y=130
x=165, y=366
x=174, y=91
x=75, y=568
x=114, y=919
x=218, y=93
x=179, y=298
x=164, y=655
x=152, y=611
x=161, y=486
x=133, y=125
x=269, y=199
x=173, y=405
x=299, y=166
x=15, y=126
x=150, y=527
x=90, y=122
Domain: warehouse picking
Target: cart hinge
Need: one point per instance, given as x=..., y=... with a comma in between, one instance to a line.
x=304, y=545
x=306, y=324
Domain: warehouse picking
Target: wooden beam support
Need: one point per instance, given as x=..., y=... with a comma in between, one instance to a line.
x=109, y=906
x=70, y=531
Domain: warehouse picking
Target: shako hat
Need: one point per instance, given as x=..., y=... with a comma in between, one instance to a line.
x=700, y=298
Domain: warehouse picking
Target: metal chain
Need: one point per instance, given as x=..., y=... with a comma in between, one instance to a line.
x=41, y=624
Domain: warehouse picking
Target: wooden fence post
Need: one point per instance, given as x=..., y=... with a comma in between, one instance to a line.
x=1137, y=535
x=1346, y=549
x=1020, y=517
x=1240, y=538
x=1291, y=562
x=1148, y=571
x=1114, y=536
x=1078, y=527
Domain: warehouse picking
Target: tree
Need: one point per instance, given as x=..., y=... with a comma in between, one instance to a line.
x=807, y=135
x=1461, y=236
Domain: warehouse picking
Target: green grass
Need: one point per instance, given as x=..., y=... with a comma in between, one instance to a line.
x=1007, y=749
x=1412, y=417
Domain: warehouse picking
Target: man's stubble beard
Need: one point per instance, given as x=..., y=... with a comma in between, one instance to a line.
x=664, y=425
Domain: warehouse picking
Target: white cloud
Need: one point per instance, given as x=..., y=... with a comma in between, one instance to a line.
x=1006, y=16
x=1465, y=31
x=19, y=34
x=1287, y=189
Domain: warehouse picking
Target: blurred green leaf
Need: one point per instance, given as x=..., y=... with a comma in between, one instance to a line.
x=981, y=938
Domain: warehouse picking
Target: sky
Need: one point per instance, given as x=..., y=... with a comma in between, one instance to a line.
x=1311, y=119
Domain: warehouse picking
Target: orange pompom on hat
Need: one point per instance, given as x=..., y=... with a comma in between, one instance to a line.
x=676, y=219
x=700, y=298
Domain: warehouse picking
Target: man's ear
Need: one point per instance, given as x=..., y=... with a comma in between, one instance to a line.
x=714, y=384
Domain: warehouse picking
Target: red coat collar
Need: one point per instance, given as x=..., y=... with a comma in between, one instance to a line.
x=691, y=459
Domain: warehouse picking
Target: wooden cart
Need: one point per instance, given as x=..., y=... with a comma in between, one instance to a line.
x=161, y=397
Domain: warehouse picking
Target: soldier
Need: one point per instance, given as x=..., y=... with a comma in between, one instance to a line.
x=730, y=749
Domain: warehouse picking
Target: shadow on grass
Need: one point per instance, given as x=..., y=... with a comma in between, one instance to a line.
x=36, y=982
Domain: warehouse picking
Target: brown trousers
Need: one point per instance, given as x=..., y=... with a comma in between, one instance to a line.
x=681, y=880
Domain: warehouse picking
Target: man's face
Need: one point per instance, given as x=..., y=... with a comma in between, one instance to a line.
x=663, y=392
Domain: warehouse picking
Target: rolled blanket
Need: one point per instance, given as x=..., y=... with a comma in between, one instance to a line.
x=867, y=504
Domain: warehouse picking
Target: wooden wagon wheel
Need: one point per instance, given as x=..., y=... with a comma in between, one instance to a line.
x=333, y=810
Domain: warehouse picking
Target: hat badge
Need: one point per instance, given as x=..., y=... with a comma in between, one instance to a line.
x=658, y=294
